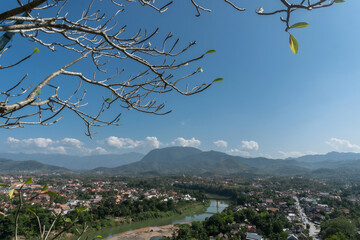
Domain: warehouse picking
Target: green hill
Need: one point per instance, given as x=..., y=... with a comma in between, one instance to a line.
x=7, y=166
x=192, y=161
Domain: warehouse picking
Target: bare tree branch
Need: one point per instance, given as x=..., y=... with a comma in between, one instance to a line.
x=21, y=9
x=95, y=37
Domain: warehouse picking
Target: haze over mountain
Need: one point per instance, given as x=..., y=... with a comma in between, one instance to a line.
x=331, y=156
x=78, y=162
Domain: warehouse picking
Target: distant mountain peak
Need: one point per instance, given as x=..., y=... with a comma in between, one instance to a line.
x=330, y=156
x=170, y=153
x=192, y=161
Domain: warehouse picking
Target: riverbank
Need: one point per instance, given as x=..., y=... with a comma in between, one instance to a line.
x=147, y=233
x=111, y=231
x=166, y=230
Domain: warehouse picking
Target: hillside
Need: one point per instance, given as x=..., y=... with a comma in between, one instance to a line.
x=77, y=162
x=187, y=160
x=7, y=166
x=331, y=156
x=192, y=161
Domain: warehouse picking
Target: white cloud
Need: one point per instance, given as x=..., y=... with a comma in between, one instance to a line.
x=72, y=142
x=221, y=144
x=153, y=142
x=121, y=142
x=250, y=145
x=37, y=142
x=128, y=143
x=50, y=146
x=238, y=152
x=59, y=150
x=100, y=150
x=246, y=149
x=192, y=142
x=292, y=154
x=343, y=145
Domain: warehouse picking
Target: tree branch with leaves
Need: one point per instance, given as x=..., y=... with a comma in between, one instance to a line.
x=96, y=37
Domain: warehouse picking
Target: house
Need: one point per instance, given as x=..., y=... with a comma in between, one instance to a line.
x=288, y=231
x=346, y=211
x=291, y=217
x=292, y=237
x=254, y=236
x=57, y=210
x=273, y=209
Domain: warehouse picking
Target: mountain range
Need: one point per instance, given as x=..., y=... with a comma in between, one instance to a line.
x=192, y=161
x=78, y=162
x=331, y=156
x=11, y=166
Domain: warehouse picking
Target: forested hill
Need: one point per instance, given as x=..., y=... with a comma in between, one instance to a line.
x=7, y=166
x=188, y=160
x=77, y=162
x=192, y=161
x=331, y=156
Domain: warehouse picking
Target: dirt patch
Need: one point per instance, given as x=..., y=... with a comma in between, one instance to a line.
x=147, y=233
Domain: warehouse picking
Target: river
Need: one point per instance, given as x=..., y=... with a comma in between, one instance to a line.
x=199, y=215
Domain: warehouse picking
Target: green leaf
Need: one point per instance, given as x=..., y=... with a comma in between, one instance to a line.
x=4, y=185
x=294, y=45
x=198, y=69
x=50, y=193
x=218, y=80
x=11, y=193
x=46, y=187
x=79, y=210
x=36, y=50
x=99, y=236
x=68, y=220
x=299, y=25
x=339, y=1
x=108, y=100
x=30, y=209
x=29, y=181
x=38, y=91
x=210, y=51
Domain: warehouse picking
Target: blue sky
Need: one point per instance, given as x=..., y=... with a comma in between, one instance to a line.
x=271, y=103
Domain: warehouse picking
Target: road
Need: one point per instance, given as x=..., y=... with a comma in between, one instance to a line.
x=313, y=231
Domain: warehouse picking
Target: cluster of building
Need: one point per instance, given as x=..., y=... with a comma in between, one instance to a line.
x=304, y=209
x=75, y=193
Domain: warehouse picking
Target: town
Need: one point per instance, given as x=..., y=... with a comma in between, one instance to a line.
x=259, y=208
